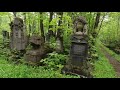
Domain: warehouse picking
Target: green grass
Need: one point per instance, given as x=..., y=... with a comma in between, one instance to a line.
x=9, y=70
x=103, y=69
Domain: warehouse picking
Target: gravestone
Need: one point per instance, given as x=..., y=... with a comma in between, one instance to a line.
x=77, y=64
x=79, y=49
x=18, y=39
x=5, y=35
x=37, y=52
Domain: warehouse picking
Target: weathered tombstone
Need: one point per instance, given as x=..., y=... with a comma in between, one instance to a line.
x=18, y=39
x=5, y=36
x=36, y=53
x=77, y=63
x=79, y=49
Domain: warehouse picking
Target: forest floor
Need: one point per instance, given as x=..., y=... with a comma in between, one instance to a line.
x=115, y=63
x=107, y=66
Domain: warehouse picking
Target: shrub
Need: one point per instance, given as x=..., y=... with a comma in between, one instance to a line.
x=54, y=60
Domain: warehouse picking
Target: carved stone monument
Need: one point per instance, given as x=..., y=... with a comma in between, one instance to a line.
x=77, y=63
x=37, y=52
x=18, y=39
x=79, y=49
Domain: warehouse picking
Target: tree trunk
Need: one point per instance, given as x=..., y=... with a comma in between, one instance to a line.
x=50, y=32
x=33, y=26
x=92, y=22
x=101, y=22
x=25, y=25
x=51, y=17
x=29, y=24
x=89, y=23
x=41, y=26
x=59, y=37
x=30, y=28
x=97, y=19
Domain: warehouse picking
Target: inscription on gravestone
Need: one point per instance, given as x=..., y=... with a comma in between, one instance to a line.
x=79, y=49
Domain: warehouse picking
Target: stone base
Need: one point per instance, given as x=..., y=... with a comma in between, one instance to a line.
x=82, y=71
x=33, y=57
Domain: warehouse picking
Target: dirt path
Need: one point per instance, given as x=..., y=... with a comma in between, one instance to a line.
x=113, y=61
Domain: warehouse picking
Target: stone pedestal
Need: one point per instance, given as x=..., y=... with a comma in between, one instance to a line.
x=77, y=63
x=37, y=51
x=33, y=56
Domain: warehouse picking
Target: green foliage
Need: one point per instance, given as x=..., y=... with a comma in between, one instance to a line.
x=9, y=70
x=109, y=33
x=92, y=51
x=54, y=61
x=4, y=51
x=103, y=69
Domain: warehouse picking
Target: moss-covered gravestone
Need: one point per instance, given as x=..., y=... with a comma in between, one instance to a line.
x=77, y=63
x=37, y=51
x=18, y=38
x=5, y=35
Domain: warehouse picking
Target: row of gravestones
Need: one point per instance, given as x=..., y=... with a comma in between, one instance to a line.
x=19, y=41
x=78, y=51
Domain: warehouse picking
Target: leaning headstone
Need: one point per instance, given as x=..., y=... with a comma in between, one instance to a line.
x=77, y=63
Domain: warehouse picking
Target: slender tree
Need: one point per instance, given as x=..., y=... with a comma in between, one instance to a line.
x=25, y=24
x=29, y=24
x=50, y=32
x=97, y=19
x=41, y=25
x=59, y=37
x=101, y=22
